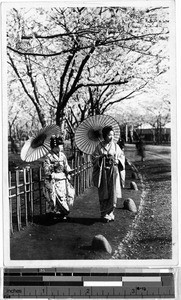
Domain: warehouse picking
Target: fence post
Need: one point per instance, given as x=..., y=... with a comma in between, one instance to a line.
x=90, y=170
x=74, y=167
x=83, y=173
x=18, y=203
x=25, y=186
x=79, y=172
x=25, y=195
x=10, y=206
x=87, y=171
x=39, y=184
x=76, y=177
x=79, y=164
x=31, y=196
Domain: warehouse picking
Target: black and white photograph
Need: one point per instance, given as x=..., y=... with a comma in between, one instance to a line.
x=89, y=133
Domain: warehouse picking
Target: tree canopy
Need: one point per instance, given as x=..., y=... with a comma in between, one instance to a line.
x=79, y=61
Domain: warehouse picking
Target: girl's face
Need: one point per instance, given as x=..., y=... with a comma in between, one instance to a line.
x=60, y=147
x=110, y=136
x=56, y=149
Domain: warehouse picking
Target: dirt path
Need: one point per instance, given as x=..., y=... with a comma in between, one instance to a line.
x=151, y=234
x=146, y=235
x=72, y=239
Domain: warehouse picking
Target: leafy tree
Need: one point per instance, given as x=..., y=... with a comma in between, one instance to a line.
x=154, y=108
x=22, y=118
x=106, y=54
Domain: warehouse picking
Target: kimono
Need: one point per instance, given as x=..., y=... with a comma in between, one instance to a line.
x=108, y=163
x=58, y=191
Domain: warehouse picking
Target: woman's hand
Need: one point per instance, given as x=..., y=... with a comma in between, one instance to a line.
x=116, y=161
x=68, y=177
x=68, y=173
x=52, y=175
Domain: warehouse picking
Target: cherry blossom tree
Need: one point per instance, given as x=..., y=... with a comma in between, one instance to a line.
x=95, y=56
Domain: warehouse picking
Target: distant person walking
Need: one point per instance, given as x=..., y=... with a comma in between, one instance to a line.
x=108, y=160
x=141, y=148
x=58, y=191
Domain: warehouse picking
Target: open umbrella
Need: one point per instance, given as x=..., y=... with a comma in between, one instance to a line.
x=38, y=146
x=89, y=133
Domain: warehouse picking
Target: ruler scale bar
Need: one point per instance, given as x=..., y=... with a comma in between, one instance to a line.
x=66, y=283
x=90, y=271
x=103, y=283
x=20, y=292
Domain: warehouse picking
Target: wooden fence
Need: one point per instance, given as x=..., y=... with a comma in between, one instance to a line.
x=26, y=199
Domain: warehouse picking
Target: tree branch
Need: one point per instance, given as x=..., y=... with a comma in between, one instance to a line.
x=128, y=96
x=83, y=63
x=104, y=91
x=57, y=35
x=41, y=117
x=152, y=9
x=72, y=112
x=101, y=84
x=20, y=79
x=70, y=57
x=142, y=52
x=50, y=91
x=33, y=84
x=98, y=43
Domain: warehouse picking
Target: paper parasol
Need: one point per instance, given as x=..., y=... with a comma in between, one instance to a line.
x=38, y=146
x=89, y=133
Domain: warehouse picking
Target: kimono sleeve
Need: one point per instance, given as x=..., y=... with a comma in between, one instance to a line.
x=47, y=166
x=97, y=166
x=67, y=168
x=96, y=155
x=120, y=156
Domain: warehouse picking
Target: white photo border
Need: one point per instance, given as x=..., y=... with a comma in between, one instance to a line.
x=98, y=263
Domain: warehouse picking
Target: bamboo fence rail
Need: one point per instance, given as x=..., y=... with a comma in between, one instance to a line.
x=26, y=199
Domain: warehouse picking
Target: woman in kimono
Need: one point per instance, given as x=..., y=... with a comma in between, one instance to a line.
x=58, y=191
x=108, y=161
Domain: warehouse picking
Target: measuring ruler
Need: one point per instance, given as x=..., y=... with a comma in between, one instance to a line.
x=88, y=283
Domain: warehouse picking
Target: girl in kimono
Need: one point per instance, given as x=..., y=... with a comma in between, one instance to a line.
x=108, y=161
x=58, y=191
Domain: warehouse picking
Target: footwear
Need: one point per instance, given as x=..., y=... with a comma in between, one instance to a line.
x=111, y=216
x=62, y=217
x=106, y=218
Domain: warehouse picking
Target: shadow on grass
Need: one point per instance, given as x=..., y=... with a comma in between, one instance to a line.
x=87, y=248
x=162, y=170
x=162, y=240
x=159, y=179
x=45, y=221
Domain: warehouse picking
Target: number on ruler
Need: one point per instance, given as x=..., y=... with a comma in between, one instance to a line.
x=133, y=291
x=87, y=291
x=141, y=288
x=42, y=270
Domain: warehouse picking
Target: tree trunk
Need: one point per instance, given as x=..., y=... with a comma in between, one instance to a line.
x=41, y=117
x=60, y=120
